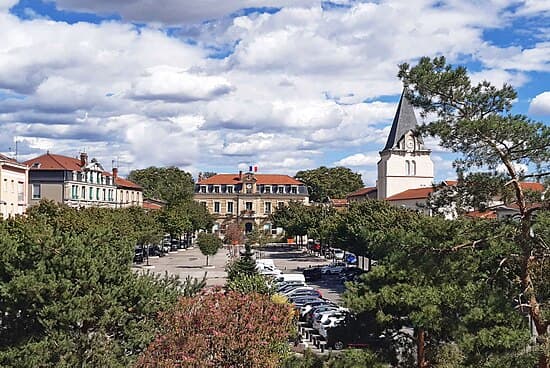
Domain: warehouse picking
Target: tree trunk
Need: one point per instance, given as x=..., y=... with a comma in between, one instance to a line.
x=420, y=348
x=206, y=260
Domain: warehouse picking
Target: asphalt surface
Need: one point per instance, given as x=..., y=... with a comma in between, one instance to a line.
x=289, y=259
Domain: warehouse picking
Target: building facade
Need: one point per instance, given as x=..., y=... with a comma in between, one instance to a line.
x=248, y=198
x=128, y=193
x=13, y=190
x=76, y=182
x=405, y=162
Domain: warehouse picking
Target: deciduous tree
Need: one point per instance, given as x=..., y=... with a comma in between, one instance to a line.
x=222, y=329
x=334, y=182
x=209, y=244
x=166, y=183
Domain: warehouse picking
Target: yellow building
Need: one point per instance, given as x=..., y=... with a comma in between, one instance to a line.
x=248, y=198
x=13, y=190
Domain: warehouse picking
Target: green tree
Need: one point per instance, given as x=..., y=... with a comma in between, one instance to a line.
x=245, y=283
x=355, y=358
x=166, y=183
x=474, y=121
x=421, y=282
x=244, y=266
x=209, y=244
x=334, y=182
x=69, y=297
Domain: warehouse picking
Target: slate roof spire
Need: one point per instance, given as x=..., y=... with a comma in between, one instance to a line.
x=403, y=121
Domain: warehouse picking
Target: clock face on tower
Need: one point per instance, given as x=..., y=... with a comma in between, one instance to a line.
x=410, y=143
x=248, y=186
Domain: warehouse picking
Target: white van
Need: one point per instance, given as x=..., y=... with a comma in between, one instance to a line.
x=289, y=277
x=266, y=262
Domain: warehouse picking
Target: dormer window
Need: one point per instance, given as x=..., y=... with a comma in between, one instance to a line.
x=203, y=188
x=281, y=189
x=294, y=190
x=216, y=189
x=36, y=165
x=267, y=189
x=230, y=189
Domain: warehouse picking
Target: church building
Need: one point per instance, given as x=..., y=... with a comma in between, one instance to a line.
x=405, y=162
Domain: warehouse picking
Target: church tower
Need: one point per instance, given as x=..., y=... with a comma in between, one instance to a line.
x=404, y=162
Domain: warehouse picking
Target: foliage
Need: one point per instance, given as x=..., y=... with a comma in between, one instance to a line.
x=334, y=182
x=423, y=283
x=245, y=265
x=69, y=296
x=185, y=217
x=206, y=174
x=298, y=219
x=474, y=120
x=209, y=244
x=166, y=183
x=234, y=233
x=222, y=329
x=244, y=283
x=354, y=358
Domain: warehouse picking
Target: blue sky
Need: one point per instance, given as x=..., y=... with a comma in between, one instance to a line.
x=215, y=86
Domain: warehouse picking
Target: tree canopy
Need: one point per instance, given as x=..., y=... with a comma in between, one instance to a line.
x=166, y=183
x=474, y=120
x=69, y=297
x=334, y=182
x=209, y=244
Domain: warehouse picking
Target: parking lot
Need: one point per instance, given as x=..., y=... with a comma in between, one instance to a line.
x=289, y=259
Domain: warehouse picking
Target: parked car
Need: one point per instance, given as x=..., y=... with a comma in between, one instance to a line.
x=289, y=286
x=349, y=333
x=322, y=317
x=312, y=274
x=154, y=251
x=338, y=254
x=308, y=317
x=138, y=254
x=351, y=273
x=311, y=305
x=292, y=291
x=304, y=293
x=329, y=323
x=333, y=269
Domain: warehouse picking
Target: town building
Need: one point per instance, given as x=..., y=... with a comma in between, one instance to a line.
x=13, y=190
x=248, y=198
x=405, y=162
x=128, y=193
x=78, y=182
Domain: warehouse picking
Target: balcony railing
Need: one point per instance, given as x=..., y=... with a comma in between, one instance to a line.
x=248, y=213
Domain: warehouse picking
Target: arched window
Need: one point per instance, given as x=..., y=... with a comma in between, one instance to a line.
x=413, y=168
x=408, y=167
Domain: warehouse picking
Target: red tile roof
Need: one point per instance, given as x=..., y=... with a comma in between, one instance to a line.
x=121, y=182
x=273, y=179
x=527, y=185
x=50, y=161
x=339, y=202
x=417, y=193
x=152, y=206
x=362, y=192
x=490, y=214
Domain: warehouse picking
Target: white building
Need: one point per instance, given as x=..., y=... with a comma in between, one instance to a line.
x=404, y=162
x=13, y=190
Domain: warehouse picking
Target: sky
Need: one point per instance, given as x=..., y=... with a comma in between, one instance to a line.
x=211, y=85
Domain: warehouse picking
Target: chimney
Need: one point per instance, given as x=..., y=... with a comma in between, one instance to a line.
x=115, y=172
x=240, y=174
x=83, y=159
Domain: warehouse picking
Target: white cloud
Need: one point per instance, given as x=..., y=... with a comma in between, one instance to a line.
x=359, y=159
x=540, y=105
x=177, y=85
x=536, y=58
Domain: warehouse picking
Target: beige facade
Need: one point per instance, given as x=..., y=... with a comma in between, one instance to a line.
x=13, y=187
x=128, y=197
x=248, y=198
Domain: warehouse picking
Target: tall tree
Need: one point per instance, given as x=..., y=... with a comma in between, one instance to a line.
x=68, y=295
x=474, y=121
x=166, y=183
x=334, y=182
x=222, y=329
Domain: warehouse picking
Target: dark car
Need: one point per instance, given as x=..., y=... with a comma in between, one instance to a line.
x=312, y=274
x=351, y=273
x=353, y=334
x=138, y=254
x=155, y=251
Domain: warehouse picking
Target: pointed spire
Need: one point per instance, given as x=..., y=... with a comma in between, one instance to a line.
x=404, y=121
